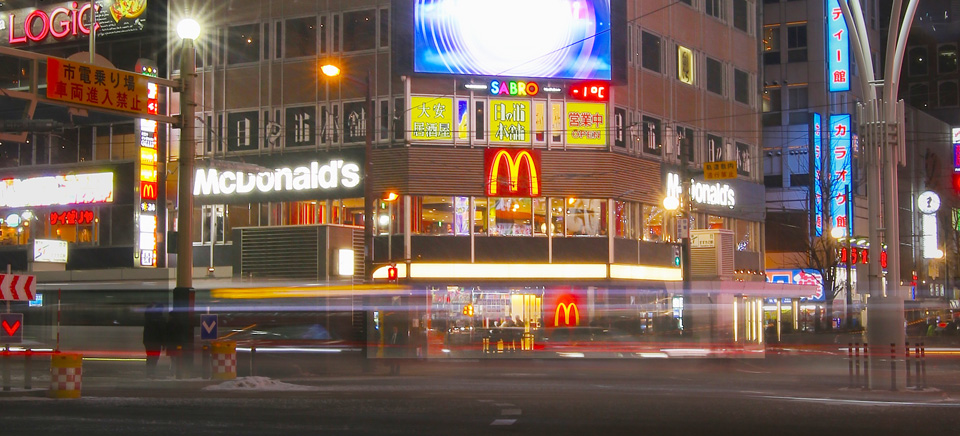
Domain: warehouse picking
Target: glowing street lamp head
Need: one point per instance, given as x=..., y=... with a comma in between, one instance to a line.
x=671, y=203
x=837, y=232
x=188, y=28
x=330, y=70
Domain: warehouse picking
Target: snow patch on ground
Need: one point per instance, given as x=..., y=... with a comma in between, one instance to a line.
x=257, y=384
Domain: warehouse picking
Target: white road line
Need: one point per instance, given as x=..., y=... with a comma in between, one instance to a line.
x=861, y=402
x=503, y=422
x=503, y=404
x=511, y=412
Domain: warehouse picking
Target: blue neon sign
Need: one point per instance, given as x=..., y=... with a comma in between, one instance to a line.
x=838, y=49
x=841, y=161
x=817, y=174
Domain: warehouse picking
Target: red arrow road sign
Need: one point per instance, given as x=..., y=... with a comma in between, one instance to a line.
x=18, y=287
x=11, y=329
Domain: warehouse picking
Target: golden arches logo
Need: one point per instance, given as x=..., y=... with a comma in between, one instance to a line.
x=513, y=164
x=567, y=309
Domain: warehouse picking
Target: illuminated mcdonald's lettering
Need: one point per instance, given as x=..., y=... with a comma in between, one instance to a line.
x=148, y=190
x=567, y=308
x=513, y=159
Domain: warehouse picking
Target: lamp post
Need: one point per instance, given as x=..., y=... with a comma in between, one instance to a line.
x=183, y=295
x=368, y=199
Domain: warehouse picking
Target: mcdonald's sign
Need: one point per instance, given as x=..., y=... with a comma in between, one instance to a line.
x=503, y=166
x=566, y=312
x=148, y=190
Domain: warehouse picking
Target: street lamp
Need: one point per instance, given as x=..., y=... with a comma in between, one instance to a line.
x=368, y=198
x=672, y=204
x=183, y=296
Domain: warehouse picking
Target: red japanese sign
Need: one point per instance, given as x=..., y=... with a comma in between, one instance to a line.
x=71, y=217
x=91, y=85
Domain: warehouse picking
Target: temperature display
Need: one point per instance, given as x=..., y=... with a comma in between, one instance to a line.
x=591, y=91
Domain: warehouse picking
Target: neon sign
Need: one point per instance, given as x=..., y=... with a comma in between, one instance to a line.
x=817, y=170
x=841, y=160
x=590, y=91
x=315, y=176
x=514, y=89
x=60, y=23
x=72, y=217
x=57, y=190
x=148, y=186
x=513, y=160
x=838, y=49
x=716, y=194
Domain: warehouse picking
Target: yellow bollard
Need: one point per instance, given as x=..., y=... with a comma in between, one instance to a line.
x=66, y=375
x=224, y=357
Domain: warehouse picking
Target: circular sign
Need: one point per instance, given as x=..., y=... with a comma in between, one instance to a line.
x=13, y=220
x=928, y=202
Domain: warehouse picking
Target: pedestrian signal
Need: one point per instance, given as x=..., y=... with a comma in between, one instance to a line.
x=392, y=273
x=676, y=256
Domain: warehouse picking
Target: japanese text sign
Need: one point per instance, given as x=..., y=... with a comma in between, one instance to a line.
x=720, y=170
x=586, y=123
x=510, y=121
x=431, y=118
x=818, y=173
x=838, y=49
x=841, y=160
x=91, y=85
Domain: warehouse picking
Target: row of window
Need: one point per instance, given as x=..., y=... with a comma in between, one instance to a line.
x=742, y=11
x=796, y=105
x=918, y=61
x=483, y=216
x=297, y=37
x=719, y=76
x=946, y=95
x=796, y=43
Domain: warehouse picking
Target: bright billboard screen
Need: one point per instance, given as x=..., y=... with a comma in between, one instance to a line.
x=562, y=39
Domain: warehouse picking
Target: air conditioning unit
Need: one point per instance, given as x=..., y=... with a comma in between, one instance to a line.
x=711, y=254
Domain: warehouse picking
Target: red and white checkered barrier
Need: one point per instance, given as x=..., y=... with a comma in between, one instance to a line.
x=18, y=287
x=66, y=375
x=224, y=357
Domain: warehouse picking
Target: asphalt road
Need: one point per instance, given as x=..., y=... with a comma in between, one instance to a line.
x=777, y=396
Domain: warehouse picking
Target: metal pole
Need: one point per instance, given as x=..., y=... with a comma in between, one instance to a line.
x=93, y=31
x=183, y=294
x=849, y=286
x=687, y=315
x=368, y=198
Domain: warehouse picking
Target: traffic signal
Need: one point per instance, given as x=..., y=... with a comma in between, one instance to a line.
x=956, y=182
x=468, y=310
x=392, y=273
x=676, y=256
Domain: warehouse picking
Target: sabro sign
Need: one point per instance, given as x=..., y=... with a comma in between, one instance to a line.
x=332, y=175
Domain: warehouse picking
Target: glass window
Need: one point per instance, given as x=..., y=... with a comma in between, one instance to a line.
x=714, y=76
x=741, y=86
x=540, y=216
x=653, y=224
x=744, y=159
x=301, y=37
x=336, y=33
x=243, y=44
x=626, y=222
x=771, y=107
x=797, y=98
x=714, y=222
x=348, y=212
x=740, y=14
x=323, y=34
x=685, y=142
x=480, y=215
x=651, y=51
x=714, y=148
x=652, y=136
x=461, y=216
x=714, y=8
x=771, y=45
x=384, y=27
x=919, y=95
x=746, y=235
x=359, y=30
x=586, y=217
x=918, y=61
x=556, y=223
x=436, y=215
x=510, y=216
x=797, y=43
x=947, y=58
x=948, y=93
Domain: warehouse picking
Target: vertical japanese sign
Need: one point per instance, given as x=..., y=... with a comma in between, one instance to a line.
x=147, y=185
x=838, y=49
x=956, y=149
x=510, y=121
x=90, y=85
x=840, y=164
x=587, y=123
x=431, y=119
x=818, y=174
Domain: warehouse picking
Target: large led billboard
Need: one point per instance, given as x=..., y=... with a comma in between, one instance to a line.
x=561, y=39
